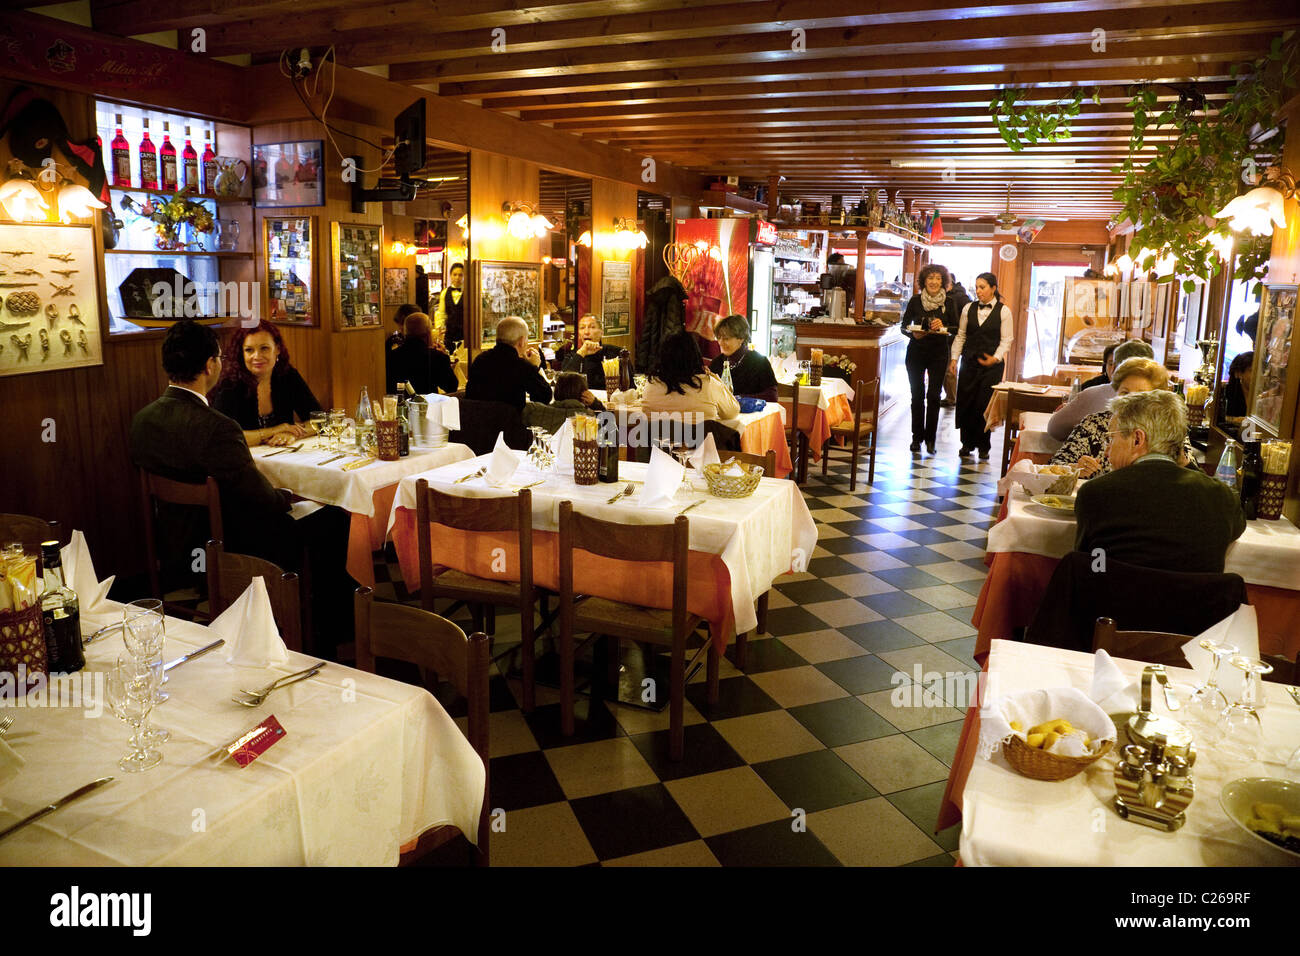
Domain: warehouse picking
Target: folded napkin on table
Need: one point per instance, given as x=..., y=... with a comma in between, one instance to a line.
x=503, y=463
x=10, y=763
x=248, y=628
x=1023, y=467
x=447, y=408
x=629, y=397
x=562, y=444
x=1113, y=692
x=1241, y=629
x=79, y=574
x=706, y=454
x=662, y=479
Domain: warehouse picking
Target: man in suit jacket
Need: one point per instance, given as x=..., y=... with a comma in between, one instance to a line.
x=1149, y=510
x=510, y=371
x=179, y=436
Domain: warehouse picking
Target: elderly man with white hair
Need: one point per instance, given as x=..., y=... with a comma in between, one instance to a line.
x=510, y=371
x=1150, y=511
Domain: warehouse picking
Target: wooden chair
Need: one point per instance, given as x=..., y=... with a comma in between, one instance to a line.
x=595, y=615
x=482, y=515
x=853, y=432
x=768, y=461
x=1015, y=406
x=157, y=488
x=1152, y=647
x=29, y=531
x=439, y=647
x=229, y=576
x=796, y=438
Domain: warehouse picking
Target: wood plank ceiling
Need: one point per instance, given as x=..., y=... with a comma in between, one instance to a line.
x=830, y=94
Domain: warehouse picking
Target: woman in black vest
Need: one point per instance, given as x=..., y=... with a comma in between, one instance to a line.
x=450, y=316
x=983, y=339
x=931, y=317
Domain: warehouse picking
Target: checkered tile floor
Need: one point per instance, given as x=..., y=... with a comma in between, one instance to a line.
x=805, y=760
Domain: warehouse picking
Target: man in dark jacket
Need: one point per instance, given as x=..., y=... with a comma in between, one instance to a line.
x=1150, y=511
x=510, y=371
x=179, y=436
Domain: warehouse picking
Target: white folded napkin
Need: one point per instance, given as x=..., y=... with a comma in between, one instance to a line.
x=503, y=464
x=1022, y=467
x=562, y=443
x=706, y=454
x=10, y=763
x=662, y=479
x=1034, y=707
x=79, y=574
x=1113, y=692
x=248, y=628
x=449, y=409
x=1241, y=629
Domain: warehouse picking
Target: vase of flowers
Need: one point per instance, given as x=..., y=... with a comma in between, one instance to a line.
x=173, y=216
x=839, y=366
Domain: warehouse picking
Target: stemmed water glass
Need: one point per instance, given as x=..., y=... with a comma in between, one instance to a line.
x=144, y=633
x=1207, y=702
x=319, y=422
x=1239, y=732
x=130, y=688
x=540, y=452
x=336, y=417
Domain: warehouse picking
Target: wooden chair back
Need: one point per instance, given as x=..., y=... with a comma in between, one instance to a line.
x=30, y=532
x=1285, y=669
x=157, y=488
x=433, y=643
x=229, y=576
x=766, y=461
x=481, y=515
x=1015, y=406
x=1152, y=647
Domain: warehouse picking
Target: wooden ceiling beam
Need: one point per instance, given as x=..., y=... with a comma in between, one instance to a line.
x=861, y=119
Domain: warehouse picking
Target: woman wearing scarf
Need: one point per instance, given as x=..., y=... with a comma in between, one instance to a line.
x=931, y=317
x=984, y=335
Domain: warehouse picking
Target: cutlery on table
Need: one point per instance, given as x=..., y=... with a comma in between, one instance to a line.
x=192, y=654
x=533, y=485
x=281, y=451
x=61, y=802
x=691, y=505
x=1295, y=694
x=101, y=632
x=478, y=474
x=5, y=723
x=335, y=458
x=627, y=490
x=354, y=465
x=260, y=695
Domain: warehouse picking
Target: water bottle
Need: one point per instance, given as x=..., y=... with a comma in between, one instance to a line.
x=365, y=418
x=1229, y=462
x=726, y=375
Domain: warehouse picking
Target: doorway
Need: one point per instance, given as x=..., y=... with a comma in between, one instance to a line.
x=1043, y=315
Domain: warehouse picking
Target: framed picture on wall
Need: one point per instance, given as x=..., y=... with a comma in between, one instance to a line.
x=507, y=288
x=290, y=269
x=616, y=297
x=49, y=312
x=357, y=249
x=397, y=284
x=1273, y=391
x=288, y=174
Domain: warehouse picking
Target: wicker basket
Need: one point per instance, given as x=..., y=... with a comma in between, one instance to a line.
x=815, y=374
x=1040, y=765
x=732, y=486
x=586, y=462
x=22, y=643
x=388, y=438
x=1272, y=495
x=1195, y=416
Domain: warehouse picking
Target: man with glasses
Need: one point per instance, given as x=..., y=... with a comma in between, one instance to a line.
x=1150, y=511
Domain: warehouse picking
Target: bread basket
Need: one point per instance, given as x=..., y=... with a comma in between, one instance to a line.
x=1042, y=765
x=1038, y=482
x=732, y=486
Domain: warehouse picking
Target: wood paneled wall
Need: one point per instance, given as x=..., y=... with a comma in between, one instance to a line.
x=494, y=179
x=610, y=200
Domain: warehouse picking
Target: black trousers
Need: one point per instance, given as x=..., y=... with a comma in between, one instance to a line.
x=926, y=396
x=974, y=391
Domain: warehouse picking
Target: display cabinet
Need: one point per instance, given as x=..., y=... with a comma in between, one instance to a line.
x=358, y=275
x=288, y=251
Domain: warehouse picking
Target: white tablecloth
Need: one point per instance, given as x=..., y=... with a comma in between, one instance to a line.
x=366, y=765
x=302, y=473
x=740, y=423
x=1034, y=439
x=1267, y=553
x=1010, y=820
x=758, y=538
x=823, y=393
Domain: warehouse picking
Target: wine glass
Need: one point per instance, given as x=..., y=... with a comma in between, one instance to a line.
x=144, y=633
x=130, y=689
x=1239, y=732
x=336, y=417
x=1207, y=702
x=319, y=422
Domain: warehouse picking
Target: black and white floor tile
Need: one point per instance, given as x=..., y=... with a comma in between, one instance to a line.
x=807, y=759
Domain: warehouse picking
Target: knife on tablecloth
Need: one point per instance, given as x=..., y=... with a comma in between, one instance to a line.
x=61, y=802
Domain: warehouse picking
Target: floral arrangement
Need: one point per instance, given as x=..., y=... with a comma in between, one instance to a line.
x=168, y=215
x=838, y=366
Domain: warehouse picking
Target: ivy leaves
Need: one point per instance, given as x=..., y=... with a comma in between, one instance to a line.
x=1027, y=125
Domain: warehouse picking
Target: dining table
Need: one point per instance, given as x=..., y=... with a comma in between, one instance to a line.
x=364, y=489
x=1011, y=820
x=821, y=408
x=1025, y=546
x=738, y=546
x=366, y=764
x=1030, y=397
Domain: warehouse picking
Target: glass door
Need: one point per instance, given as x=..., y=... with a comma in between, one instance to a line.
x=1043, y=315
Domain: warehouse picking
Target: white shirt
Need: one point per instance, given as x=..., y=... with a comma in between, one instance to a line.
x=203, y=398
x=1007, y=330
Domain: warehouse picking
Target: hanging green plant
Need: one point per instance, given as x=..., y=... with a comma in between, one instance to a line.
x=1171, y=197
x=1020, y=126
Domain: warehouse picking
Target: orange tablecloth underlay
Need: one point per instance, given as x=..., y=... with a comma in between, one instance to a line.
x=817, y=424
x=649, y=585
x=367, y=535
x=768, y=434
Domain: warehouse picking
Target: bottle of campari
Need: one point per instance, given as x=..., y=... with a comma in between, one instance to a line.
x=167, y=160
x=148, y=161
x=209, y=164
x=121, y=157
x=190, y=163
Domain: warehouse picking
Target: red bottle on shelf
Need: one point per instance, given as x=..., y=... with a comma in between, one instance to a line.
x=209, y=164
x=167, y=160
x=190, y=163
x=121, y=157
x=148, y=161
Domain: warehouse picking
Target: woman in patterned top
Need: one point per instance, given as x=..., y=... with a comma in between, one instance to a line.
x=1086, y=443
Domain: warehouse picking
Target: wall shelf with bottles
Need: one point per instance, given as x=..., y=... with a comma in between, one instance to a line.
x=219, y=200
x=158, y=253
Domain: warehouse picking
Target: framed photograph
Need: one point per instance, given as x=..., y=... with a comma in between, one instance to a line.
x=49, y=320
x=288, y=174
x=357, y=297
x=397, y=284
x=288, y=245
x=1090, y=319
x=616, y=297
x=507, y=288
x=1273, y=393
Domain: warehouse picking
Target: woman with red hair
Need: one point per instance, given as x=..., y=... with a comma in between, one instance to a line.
x=261, y=390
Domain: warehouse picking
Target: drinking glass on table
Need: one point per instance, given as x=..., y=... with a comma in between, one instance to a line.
x=1239, y=732
x=130, y=688
x=319, y=422
x=336, y=417
x=144, y=633
x=1207, y=702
